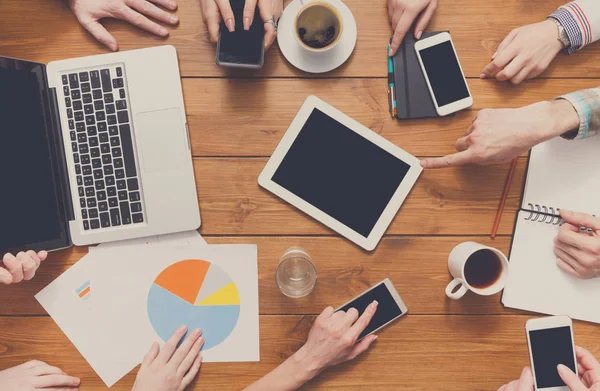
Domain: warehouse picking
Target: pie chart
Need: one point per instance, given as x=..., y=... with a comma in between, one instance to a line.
x=198, y=294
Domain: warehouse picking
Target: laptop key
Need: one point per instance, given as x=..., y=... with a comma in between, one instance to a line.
x=82, y=202
x=121, y=104
x=89, y=109
x=121, y=184
x=98, y=105
x=106, y=83
x=74, y=146
x=91, y=202
x=94, y=224
x=93, y=141
x=116, y=152
x=123, y=116
x=73, y=136
x=89, y=120
x=108, y=170
x=85, y=159
x=122, y=93
x=136, y=207
x=81, y=192
x=102, y=126
x=128, y=157
x=70, y=113
x=105, y=148
x=77, y=169
x=87, y=170
x=76, y=157
x=132, y=184
x=120, y=173
x=103, y=138
x=105, y=220
x=84, y=76
x=122, y=195
x=138, y=218
x=87, y=98
x=103, y=206
x=78, y=116
x=134, y=196
x=65, y=79
x=100, y=185
x=97, y=94
x=125, y=214
x=113, y=202
x=84, y=214
x=75, y=94
x=119, y=72
x=92, y=131
x=85, y=87
x=95, y=152
x=71, y=124
x=115, y=142
x=100, y=116
x=79, y=180
x=111, y=119
x=110, y=108
x=83, y=149
x=68, y=101
x=80, y=126
x=95, y=79
x=77, y=105
x=108, y=98
x=101, y=196
x=73, y=80
x=82, y=138
x=86, y=225
x=89, y=192
x=93, y=213
x=66, y=90
x=88, y=181
x=110, y=180
x=115, y=217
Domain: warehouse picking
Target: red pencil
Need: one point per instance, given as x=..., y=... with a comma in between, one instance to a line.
x=509, y=177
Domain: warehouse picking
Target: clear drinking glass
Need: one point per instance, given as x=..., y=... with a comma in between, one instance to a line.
x=296, y=275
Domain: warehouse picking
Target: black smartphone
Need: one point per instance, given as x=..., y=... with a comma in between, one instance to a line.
x=241, y=48
x=390, y=306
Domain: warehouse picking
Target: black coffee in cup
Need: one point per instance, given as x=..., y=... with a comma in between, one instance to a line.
x=318, y=25
x=483, y=268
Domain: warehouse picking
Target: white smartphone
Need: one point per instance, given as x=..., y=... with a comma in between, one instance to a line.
x=551, y=342
x=390, y=306
x=443, y=74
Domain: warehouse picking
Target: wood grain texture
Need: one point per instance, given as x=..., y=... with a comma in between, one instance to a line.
x=228, y=117
x=46, y=30
x=455, y=201
x=418, y=266
x=415, y=353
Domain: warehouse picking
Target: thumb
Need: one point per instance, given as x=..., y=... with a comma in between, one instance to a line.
x=5, y=276
x=362, y=346
x=101, y=34
x=43, y=255
x=580, y=219
x=570, y=378
x=458, y=159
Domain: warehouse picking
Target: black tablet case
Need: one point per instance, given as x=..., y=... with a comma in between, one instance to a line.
x=412, y=94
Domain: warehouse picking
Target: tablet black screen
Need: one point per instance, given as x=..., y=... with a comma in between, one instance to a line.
x=29, y=209
x=340, y=172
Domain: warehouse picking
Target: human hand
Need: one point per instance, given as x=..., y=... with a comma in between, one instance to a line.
x=525, y=53
x=89, y=13
x=524, y=383
x=213, y=11
x=36, y=375
x=332, y=339
x=578, y=253
x=497, y=136
x=589, y=372
x=22, y=267
x=402, y=13
x=172, y=368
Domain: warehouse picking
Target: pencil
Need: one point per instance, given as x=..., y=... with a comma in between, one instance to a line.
x=391, y=86
x=509, y=177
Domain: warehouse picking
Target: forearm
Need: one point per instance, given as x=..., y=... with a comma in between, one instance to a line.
x=289, y=376
x=581, y=21
x=586, y=103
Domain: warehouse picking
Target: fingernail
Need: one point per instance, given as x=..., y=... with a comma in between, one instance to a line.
x=174, y=19
x=375, y=337
x=181, y=329
x=163, y=31
x=418, y=35
x=113, y=47
x=246, y=23
x=230, y=25
x=172, y=4
x=4, y=280
x=424, y=163
x=482, y=75
x=196, y=333
x=494, y=55
x=77, y=381
x=561, y=368
x=375, y=303
x=390, y=52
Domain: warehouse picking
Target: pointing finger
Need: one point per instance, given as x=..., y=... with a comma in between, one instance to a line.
x=364, y=320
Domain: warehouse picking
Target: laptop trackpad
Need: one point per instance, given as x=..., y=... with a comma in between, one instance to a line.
x=163, y=139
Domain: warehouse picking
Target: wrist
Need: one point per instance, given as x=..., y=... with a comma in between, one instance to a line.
x=305, y=368
x=554, y=37
x=564, y=116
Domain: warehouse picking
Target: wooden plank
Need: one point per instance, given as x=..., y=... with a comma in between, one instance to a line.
x=454, y=201
x=248, y=117
x=418, y=266
x=43, y=31
x=466, y=353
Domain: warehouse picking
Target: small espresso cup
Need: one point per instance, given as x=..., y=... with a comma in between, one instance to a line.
x=318, y=26
x=477, y=268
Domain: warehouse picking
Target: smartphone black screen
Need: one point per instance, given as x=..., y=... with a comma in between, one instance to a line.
x=387, y=309
x=444, y=74
x=241, y=46
x=550, y=347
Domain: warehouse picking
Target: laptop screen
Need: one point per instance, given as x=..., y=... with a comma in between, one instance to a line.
x=30, y=215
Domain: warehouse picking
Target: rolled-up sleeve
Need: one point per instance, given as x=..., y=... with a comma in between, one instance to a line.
x=581, y=21
x=587, y=105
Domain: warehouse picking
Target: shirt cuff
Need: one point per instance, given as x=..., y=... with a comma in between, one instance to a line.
x=587, y=105
x=572, y=28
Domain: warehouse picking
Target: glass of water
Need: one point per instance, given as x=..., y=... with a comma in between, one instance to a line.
x=296, y=275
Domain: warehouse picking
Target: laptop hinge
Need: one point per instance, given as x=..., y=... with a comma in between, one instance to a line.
x=61, y=155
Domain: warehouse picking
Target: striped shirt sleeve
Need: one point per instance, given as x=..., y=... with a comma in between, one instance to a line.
x=587, y=105
x=581, y=21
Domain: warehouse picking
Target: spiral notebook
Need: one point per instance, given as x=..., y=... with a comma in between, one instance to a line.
x=562, y=174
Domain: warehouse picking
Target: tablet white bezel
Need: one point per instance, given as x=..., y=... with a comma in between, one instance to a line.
x=456, y=105
x=370, y=242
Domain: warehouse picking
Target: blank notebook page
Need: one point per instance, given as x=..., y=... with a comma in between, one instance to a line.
x=536, y=283
x=565, y=174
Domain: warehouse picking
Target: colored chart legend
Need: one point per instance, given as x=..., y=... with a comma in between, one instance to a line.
x=84, y=291
x=198, y=294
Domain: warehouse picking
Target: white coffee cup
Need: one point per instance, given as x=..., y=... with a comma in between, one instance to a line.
x=318, y=14
x=478, y=274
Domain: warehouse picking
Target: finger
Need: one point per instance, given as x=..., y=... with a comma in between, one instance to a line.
x=574, y=263
x=270, y=35
x=580, y=219
x=168, y=4
x=187, y=379
x=149, y=9
x=362, y=346
x=34, y=256
x=191, y=357
x=102, y=35
x=581, y=241
x=498, y=63
x=462, y=144
x=364, y=320
x=457, y=159
x=587, y=359
x=183, y=349
x=570, y=378
x=512, y=386
x=249, y=9
x=350, y=317
x=424, y=19
x=401, y=29
x=226, y=14
x=526, y=380
x=580, y=256
x=213, y=24
x=167, y=351
x=505, y=42
x=139, y=20
x=5, y=276
x=43, y=255
x=29, y=266
x=326, y=314
x=151, y=355
x=511, y=70
x=567, y=268
x=55, y=381
x=46, y=369
x=521, y=76
x=503, y=388
x=14, y=266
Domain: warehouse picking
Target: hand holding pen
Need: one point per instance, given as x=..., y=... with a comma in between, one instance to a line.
x=577, y=245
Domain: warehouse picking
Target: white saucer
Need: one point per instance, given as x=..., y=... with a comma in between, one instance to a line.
x=315, y=62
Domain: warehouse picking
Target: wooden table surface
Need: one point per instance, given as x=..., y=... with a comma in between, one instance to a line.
x=236, y=119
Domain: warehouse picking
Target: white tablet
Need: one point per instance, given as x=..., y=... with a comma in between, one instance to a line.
x=340, y=172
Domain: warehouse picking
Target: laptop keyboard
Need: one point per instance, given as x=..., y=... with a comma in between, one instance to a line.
x=102, y=146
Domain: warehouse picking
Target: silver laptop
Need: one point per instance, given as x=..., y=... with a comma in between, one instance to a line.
x=101, y=146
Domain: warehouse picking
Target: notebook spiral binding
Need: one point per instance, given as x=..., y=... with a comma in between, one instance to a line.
x=544, y=214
